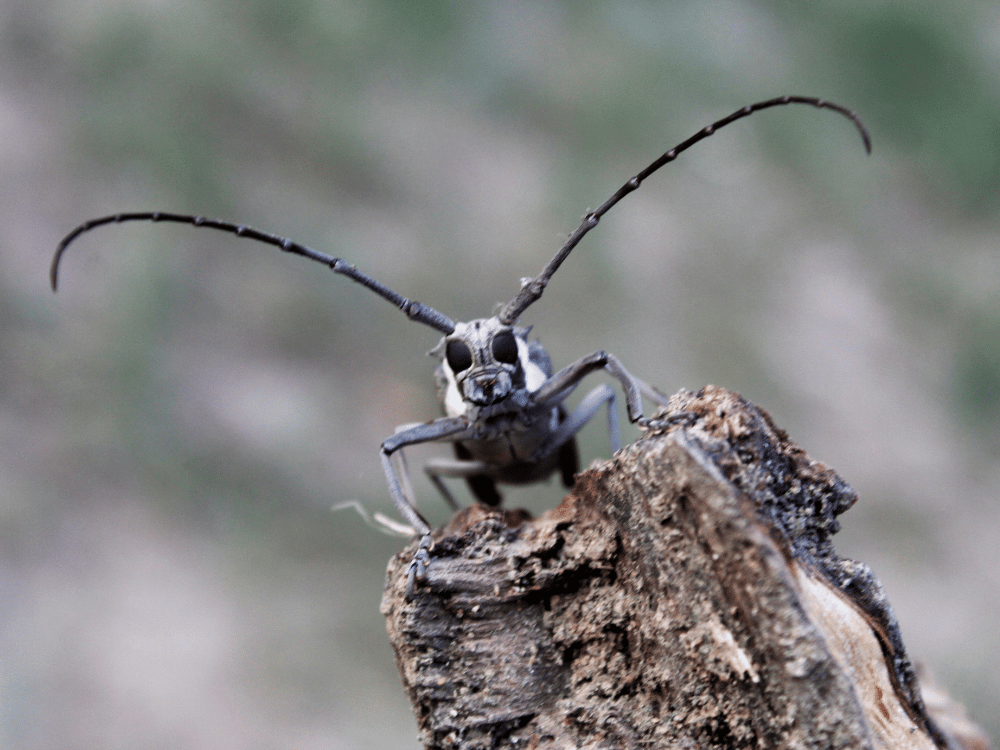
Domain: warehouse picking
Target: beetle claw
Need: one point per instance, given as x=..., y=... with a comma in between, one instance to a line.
x=418, y=566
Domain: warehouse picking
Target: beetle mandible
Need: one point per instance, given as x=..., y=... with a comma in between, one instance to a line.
x=504, y=406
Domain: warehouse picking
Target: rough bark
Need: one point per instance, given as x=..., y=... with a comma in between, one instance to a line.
x=685, y=595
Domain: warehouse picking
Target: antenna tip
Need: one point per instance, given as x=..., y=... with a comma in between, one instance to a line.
x=862, y=129
x=866, y=138
x=54, y=268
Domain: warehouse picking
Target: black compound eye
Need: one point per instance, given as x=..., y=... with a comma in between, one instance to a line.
x=505, y=347
x=459, y=356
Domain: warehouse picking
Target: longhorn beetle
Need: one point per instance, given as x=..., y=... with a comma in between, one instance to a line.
x=504, y=407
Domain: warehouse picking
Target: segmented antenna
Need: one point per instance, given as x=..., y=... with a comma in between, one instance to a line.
x=414, y=310
x=532, y=289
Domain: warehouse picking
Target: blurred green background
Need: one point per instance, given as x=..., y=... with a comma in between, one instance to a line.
x=178, y=421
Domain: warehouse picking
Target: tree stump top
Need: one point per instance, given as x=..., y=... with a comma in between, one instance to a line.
x=686, y=594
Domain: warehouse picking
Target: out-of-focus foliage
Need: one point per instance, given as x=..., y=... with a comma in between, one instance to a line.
x=180, y=418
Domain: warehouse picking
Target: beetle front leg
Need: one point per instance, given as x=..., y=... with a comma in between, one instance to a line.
x=556, y=388
x=447, y=428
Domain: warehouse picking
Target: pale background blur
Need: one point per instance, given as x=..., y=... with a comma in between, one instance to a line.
x=178, y=421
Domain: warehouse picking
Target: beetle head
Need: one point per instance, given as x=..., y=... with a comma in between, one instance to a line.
x=484, y=363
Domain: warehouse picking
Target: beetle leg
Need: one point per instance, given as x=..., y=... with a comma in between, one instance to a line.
x=579, y=417
x=459, y=468
x=446, y=428
x=556, y=388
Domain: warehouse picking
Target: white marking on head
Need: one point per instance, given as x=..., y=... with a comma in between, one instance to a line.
x=534, y=375
x=454, y=404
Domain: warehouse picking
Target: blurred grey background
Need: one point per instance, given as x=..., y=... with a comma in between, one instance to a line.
x=179, y=420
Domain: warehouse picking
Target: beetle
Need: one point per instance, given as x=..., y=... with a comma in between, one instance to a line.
x=504, y=406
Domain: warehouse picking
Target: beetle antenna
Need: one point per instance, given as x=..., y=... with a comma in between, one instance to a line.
x=414, y=310
x=531, y=289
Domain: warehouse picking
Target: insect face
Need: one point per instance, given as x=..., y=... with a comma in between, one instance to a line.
x=486, y=364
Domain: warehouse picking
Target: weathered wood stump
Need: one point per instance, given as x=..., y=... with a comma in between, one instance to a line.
x=685, y=595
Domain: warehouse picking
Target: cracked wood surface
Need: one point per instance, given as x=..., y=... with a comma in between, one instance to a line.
x=686, y=594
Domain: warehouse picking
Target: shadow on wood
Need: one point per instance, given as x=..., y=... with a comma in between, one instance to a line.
x=686, y=594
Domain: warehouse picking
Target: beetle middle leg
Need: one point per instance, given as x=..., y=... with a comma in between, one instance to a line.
x=459, y=468
x=579, y=418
